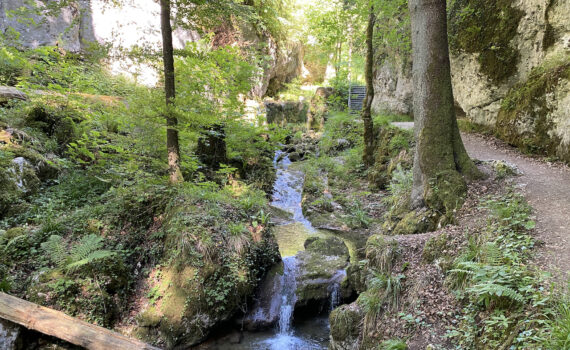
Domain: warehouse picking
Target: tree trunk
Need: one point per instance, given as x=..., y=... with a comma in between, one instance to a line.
x=369, y=142
x=172, y=144
x=440, y=160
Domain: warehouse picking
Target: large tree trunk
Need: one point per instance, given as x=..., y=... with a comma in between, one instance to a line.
x=440, y=160
x=368, y=156
x=172, y=144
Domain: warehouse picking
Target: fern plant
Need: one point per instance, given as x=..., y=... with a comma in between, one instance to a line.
x=393, y=344
x=85, y=252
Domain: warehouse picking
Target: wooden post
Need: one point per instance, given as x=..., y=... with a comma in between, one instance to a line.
x=62, y=326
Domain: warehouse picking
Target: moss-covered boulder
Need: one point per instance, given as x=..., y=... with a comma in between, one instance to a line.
x=534, y=114
x=212, y=265
x=286, y=112
x=321, y=267
x=330, y=246
x=345, y=324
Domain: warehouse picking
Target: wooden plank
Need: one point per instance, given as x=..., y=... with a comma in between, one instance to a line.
x=11, y=93
x=62, y=326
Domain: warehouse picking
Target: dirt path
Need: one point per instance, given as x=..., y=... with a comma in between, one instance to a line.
x=547, y=188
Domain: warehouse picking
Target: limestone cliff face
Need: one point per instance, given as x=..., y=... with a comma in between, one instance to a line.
x=476, y=93
x=279, y=65
x=137, y=23
x=393, y=89
x=499, y=52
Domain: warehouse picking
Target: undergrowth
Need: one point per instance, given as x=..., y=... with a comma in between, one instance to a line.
x=507, y=303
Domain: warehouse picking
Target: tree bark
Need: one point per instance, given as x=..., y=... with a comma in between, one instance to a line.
x=172, y=144
x=440, y=160
x=369, y=142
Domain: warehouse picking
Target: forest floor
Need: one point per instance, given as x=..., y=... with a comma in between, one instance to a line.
x=545, y=185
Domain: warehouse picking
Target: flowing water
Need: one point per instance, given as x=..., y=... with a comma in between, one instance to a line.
x=289, y=334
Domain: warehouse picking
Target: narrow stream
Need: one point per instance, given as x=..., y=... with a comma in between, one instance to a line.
x=288, y=333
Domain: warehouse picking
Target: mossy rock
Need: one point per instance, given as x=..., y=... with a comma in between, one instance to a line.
x=524, y=118
x=486, y=27
x=57, y=119
x=13, y=233
x=416, y=222
x=328, y=246
x=356, y=278
x=321, y=265
x=345, y=323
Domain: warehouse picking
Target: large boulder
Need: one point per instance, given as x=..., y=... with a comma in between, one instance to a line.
x=393, y=91
x=321, y=273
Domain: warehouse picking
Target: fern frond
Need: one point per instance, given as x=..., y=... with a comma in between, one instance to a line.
x=492, y=254
x=87, y=245
x=469, y=265
x=496, y=290
x=54, y=247
x=92, y=257
x=467, y=272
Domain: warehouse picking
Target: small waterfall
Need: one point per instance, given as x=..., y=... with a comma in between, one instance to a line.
x=335, y=296
x=288, y=296
x=18, y=171
x=334, y=289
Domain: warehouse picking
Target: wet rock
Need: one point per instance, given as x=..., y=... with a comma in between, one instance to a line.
x=24, y=175
x=295, y=157
x=331, y=246
x=265, y=310
x=10, y=336
x=321, y=270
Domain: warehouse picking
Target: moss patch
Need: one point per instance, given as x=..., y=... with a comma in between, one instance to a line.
x=486, y=27
x=393, y=148
x=346, y=322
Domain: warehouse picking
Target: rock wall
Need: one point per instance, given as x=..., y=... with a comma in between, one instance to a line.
x=515, y=42
x=393, y=89
x=476, y=93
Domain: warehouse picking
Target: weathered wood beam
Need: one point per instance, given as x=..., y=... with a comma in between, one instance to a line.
x=11, y=93
x=62, y=326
